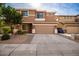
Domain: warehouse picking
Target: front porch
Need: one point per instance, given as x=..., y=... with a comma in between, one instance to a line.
x=27, y=27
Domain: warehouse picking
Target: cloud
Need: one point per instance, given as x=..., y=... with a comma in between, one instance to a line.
x=60, y=8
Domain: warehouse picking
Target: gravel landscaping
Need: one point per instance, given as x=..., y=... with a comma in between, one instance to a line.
x=19, y=39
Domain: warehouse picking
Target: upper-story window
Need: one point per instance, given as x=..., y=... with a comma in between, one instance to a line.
x=40, y=15
x=25, y=13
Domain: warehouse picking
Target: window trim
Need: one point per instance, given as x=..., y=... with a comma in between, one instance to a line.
x=27, y=12
x=43, y=15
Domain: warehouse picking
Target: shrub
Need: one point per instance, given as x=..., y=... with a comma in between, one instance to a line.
x=20, y=32
x=5, y=37
x=6, y=29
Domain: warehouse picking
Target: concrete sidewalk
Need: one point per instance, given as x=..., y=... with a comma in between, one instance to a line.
x=42, y=45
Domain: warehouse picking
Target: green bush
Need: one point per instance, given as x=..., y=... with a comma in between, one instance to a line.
x=6, y=29
x=2, y=23
x=5, y=37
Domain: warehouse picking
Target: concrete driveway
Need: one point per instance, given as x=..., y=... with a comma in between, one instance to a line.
x=42, y=45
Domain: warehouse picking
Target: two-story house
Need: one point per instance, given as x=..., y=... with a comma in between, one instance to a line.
x=71, y=23
x=44, y=22
x=38, y=21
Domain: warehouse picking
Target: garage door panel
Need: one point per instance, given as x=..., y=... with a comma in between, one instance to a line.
x=44, y=29
x=72, y=29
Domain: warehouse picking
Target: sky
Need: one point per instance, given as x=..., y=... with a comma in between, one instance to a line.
x=59, y=8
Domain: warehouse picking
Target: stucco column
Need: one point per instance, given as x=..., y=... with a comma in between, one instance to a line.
x=33, y=29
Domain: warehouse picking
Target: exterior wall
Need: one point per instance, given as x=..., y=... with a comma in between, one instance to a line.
x=66, y=18
x=48, y=16
x=30, y=18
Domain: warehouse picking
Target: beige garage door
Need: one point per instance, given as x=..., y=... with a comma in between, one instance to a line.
x=44, y=29
x=72, y=29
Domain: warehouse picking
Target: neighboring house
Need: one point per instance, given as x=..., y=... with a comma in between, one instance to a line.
x=71, y=23
x=44, y=22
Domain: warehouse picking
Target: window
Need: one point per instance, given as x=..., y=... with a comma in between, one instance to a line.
x=40, y=15
x=25, y=13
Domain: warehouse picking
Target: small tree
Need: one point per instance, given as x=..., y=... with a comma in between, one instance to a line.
x=17, y=18
x=12, y=16
x=2, y=23
x=1, y=5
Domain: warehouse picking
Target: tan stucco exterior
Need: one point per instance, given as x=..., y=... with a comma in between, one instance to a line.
x=47, y=26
